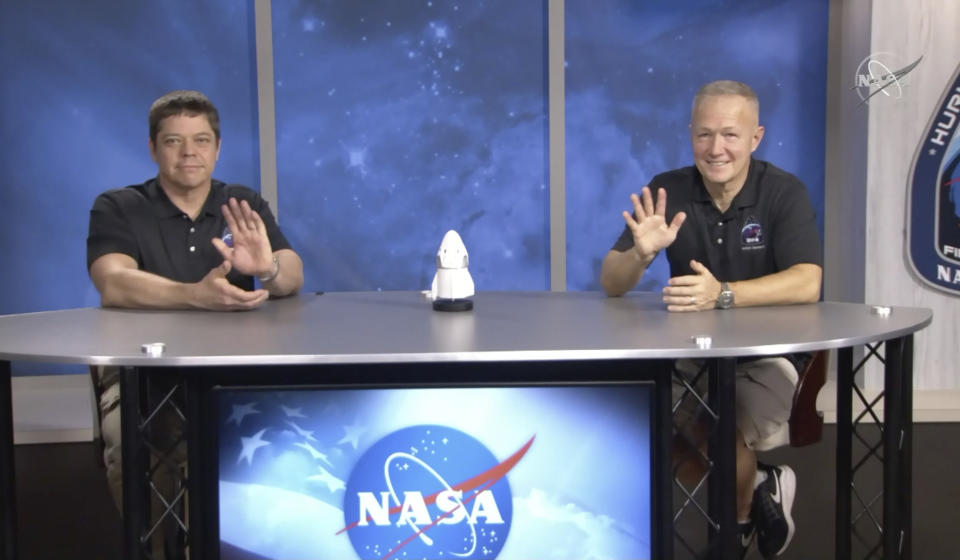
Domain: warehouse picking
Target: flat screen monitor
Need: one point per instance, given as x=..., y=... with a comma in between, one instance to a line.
x=511, y=472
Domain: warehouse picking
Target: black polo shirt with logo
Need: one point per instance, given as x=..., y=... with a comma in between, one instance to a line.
x=142, y=222
x=770, y=225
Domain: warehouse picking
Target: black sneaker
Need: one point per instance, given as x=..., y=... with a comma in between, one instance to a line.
x=772, y=502
x=745, y=535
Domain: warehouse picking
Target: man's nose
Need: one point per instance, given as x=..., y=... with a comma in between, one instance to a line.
x=716, y=144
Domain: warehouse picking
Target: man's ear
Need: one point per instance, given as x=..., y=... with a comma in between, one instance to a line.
x=153, y=149
x=757, y=137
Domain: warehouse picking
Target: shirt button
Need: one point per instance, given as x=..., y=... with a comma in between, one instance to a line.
x=720, y=241
x=720, y=224
x=193, y=230
x=192, y=248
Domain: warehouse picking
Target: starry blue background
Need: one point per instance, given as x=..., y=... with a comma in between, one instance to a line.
x=79, y=78
x=397, y=121
x=632, y=69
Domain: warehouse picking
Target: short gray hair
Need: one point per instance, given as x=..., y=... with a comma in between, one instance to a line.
x=726, y=87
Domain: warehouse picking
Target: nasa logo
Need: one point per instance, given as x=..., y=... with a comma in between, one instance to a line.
x=874, y=75
x=429, y=492
x=227, y=236
x=751, y=234
x=933, y=214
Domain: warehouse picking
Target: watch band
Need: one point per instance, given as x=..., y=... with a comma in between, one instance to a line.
x=725, y=297
x=273, y=274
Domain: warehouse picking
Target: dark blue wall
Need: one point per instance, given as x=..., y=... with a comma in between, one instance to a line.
x=396, y=121
x=632, y=70
x=79, y=78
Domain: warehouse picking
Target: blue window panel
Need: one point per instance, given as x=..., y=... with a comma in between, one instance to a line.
x=397, y=121
x=632, y=69
x=79, y=78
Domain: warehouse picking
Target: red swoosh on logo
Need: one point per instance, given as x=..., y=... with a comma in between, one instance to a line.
x=486, y=479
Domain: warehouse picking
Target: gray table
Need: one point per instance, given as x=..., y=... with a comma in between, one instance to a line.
x=394, y=328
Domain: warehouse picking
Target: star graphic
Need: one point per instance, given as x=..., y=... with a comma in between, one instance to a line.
x=241, y=411
x=932, y=152
x=250, y=445
x=333, y=483
x=293, y=412
x=352, y=435
x=314, y=453
x=306, y=434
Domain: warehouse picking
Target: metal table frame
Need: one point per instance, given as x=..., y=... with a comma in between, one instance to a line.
x=478, y=337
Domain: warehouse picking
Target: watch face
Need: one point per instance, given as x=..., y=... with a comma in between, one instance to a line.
x=725, y=301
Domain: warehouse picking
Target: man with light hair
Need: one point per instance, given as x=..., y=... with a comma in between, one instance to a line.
x=737, y=232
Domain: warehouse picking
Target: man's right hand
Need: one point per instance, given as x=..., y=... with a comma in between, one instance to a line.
x=650, y=230
x=216, y=293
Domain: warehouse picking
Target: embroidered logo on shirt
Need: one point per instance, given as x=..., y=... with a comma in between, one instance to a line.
x=751, y=234
x=227, y=236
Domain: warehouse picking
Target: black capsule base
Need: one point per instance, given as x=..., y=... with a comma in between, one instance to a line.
x=452, y=304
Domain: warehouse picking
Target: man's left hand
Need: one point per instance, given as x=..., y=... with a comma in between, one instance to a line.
x=251, y=253
x=696, y=292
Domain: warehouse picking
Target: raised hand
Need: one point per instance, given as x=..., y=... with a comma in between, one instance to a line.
x=251, y=253
x=651, y=233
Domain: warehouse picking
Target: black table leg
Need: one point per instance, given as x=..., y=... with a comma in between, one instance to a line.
x=663, y=511
x=906, y=450
x=136, y=501
x=8, y=502
x=722, y=490
x=201, y=494
x=845, y=380
x=897, y=416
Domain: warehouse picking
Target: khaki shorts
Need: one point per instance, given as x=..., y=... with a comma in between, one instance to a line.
x=765, y=390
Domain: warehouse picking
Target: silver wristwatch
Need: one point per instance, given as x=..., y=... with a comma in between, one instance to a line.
x=725, y=299
x=273, y=273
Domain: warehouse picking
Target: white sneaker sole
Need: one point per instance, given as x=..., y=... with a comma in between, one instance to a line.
x=788, y=490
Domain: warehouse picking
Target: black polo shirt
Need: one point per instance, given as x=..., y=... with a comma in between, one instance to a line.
x=770, y=225
x=142, y=222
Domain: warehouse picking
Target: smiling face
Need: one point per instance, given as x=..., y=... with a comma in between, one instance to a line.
x=724, y=131
x=186, y=150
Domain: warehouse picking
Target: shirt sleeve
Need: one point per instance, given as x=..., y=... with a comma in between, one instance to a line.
x=110, y=230
x=796, y=238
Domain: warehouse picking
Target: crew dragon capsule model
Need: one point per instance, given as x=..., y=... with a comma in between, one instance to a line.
x=452, y=285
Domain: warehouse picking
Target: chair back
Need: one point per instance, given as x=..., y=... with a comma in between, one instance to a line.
x=806, y=422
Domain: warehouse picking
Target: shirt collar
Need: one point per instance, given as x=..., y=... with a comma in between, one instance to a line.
x=745, y=198
x=165, y=208
x=215, y=199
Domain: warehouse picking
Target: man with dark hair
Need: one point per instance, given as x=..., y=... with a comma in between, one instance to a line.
x=737, y=232
x=182, y=240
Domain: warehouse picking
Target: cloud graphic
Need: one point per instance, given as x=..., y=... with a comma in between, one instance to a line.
x=574, y=533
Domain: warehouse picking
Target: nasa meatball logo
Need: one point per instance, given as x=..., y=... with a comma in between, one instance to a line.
x=429, y=492
x=227, y=236
x=751, y=234
x=882, y=73
x=933, y=214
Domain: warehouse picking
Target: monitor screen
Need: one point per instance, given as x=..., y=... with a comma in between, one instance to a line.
x=559, y=471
